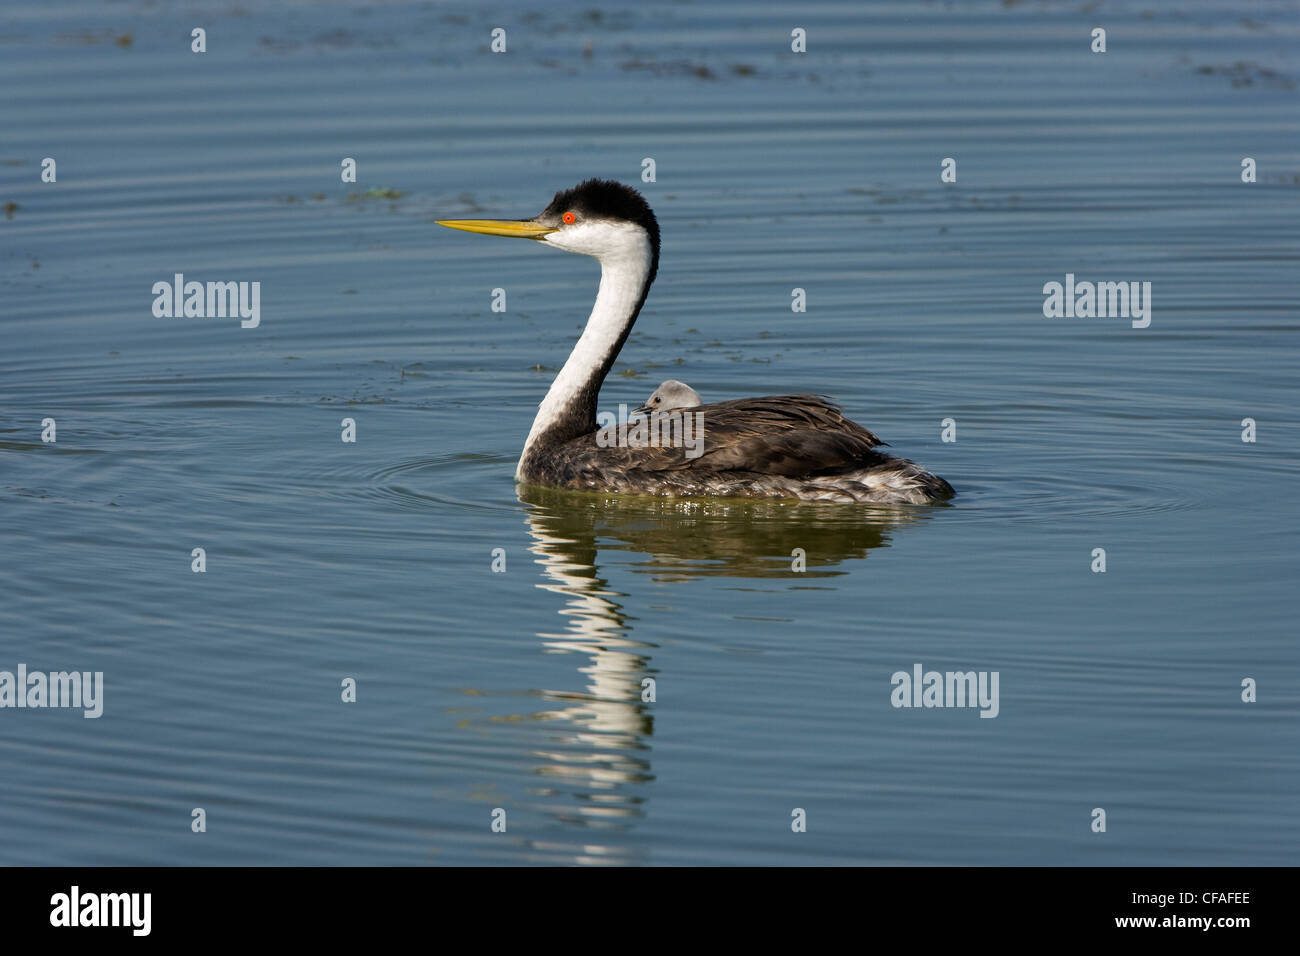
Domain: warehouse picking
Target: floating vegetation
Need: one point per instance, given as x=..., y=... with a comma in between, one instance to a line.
x=1248, y=73
x=376, y=193
x=93, y=38
x=670, y=68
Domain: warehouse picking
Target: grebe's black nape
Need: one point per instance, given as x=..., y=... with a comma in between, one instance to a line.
x=778, y=446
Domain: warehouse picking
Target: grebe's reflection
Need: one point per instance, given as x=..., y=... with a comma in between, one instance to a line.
x=604, y=756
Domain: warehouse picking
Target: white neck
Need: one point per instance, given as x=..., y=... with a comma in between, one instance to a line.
x=623, y=270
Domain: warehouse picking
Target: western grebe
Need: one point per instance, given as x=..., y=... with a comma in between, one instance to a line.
x=670, y=395
x=778, y=446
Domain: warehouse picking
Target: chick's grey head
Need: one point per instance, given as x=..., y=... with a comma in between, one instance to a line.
x=670, y=395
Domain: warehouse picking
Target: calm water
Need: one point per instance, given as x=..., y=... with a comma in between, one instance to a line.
x=523, y=690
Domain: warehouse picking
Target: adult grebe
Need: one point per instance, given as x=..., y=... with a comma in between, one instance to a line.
x=670, y=395
x=778, y=446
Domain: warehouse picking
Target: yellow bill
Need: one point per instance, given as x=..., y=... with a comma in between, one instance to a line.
x=519, y=228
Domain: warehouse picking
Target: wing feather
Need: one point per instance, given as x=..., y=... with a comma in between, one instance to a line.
x=785, y=435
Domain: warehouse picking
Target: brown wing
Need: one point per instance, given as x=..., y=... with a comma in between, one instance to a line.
x=782, y=435
x=788, y=435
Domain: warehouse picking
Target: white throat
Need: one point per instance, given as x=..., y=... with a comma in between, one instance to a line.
x=625, y=258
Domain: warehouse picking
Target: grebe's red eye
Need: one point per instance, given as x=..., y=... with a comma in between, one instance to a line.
x=569, y=218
